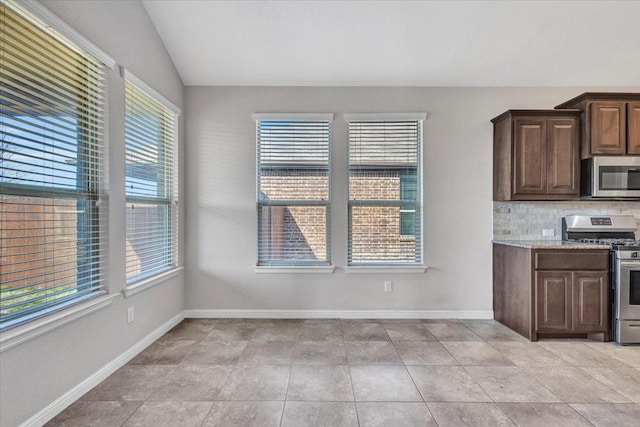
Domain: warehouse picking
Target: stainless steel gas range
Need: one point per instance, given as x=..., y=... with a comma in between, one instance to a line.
x=620, y=232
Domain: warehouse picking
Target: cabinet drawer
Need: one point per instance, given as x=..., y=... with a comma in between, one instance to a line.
x=572, y=260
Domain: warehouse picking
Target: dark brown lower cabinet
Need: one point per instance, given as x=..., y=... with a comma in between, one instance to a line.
x=571, y=301
x=551, y=292
x=553, y=301
x=590, y=301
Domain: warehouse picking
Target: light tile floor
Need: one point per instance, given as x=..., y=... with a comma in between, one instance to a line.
x=244, y=372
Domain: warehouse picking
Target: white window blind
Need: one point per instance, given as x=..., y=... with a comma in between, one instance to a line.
x=293, y=190
x=151, y=185
x=385, y=191
x=52, y=100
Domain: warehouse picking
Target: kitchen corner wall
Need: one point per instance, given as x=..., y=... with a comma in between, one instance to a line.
x=525, y=220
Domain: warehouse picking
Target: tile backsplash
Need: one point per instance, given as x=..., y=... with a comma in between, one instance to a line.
x=526, y=220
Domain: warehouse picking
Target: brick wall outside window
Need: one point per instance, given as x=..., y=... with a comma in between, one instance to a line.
x=376, y=230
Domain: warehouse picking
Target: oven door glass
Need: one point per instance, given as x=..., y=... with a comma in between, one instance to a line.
x=619, y=178
x=634, y=287
x=629, y=290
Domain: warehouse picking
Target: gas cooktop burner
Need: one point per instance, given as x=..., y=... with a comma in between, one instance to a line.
x=623, y=242
x=619, y=244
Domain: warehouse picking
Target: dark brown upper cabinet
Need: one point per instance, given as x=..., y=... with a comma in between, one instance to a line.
x=633, y=128
x=610, y=123
x=535, y=155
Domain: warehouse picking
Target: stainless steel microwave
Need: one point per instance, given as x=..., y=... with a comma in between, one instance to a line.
x=610, y=177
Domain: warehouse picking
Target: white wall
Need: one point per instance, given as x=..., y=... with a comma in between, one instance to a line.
x=221, y=210
x=36, y=373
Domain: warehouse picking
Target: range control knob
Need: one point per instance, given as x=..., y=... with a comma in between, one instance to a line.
x=635, y=254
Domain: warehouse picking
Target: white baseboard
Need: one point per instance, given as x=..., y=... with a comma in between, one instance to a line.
x=341, y=314
x=78, y=391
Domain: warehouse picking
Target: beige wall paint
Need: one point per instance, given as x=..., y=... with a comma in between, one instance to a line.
x=36, y=373
x=221, y=212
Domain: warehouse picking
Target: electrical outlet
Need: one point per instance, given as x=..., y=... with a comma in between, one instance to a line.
x=548, y=232
x=130, y=314
x=388, y=286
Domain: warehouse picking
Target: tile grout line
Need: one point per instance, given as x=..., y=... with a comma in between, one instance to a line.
x=582, y=369
x=580, y=415
x=129, y=417
x=353, y=393
x=421, y=395
x=286, y=393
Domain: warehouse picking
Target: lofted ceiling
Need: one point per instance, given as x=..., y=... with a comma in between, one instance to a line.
x=401, y=43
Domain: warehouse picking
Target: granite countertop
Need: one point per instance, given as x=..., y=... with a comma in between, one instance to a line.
x=549, y=244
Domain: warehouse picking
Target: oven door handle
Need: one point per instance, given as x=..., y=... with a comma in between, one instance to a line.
x=630, y=264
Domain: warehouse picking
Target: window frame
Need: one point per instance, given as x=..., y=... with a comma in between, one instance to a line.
x=170, y=183
x=404, y=212
x=290, y=265
x=89, y=188
x=416, y=209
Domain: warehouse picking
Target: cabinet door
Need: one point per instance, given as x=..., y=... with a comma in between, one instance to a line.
x=590, y=301
x=562, y=157
x=530, y=167
x=608, y=127
x=633, y=128
x=553, y=301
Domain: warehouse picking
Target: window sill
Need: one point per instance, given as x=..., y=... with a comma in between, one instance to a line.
x=294, y=269
x=402, y=269
x=150, y=282
x=23, y=333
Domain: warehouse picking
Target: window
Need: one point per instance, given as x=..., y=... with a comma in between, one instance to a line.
x=51, y=209
x=293, y=189
x=151, y=182
x=385, y=189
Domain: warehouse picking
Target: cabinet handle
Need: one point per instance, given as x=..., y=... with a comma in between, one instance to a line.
x=634, y=326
